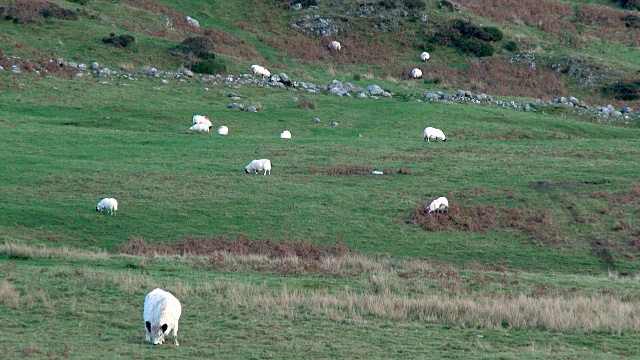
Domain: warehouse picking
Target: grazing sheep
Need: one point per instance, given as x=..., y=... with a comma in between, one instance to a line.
x=161, y=315
x=193, y=22
x=433, y=133
x=201, y=127
x=438, y=205
x=199, y=119
x=416, y=73
x=259, y=165
x=110, y=204
x=258, y=70
x=425, y=56
x=334, y=46
x=285, y=134
x=223, y=130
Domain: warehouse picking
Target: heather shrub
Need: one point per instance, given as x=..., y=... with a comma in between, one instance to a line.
x=199, y=47
x=623, y=91
x=119, y=41
x=209, y=66
x=511, y=46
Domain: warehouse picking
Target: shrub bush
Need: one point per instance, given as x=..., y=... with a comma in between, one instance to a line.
x=209, y=66
x=631, y=21
x=34, y=11
x=474, y=46
x=629, y=4
x=511, y=46
x=121, y=40
x=495, y=33
x=625, y=91
x=79, y=2
x=199, y=47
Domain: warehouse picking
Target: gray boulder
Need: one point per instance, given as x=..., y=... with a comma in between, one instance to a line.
x=374, y=90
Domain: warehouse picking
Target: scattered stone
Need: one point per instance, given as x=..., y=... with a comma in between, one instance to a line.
x=335, y=124
x=374, y=90
x=315, y=120
x=252, y=109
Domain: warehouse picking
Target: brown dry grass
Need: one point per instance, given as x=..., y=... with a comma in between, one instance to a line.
x=192, y=246
x=480, y=218
x=549, y=15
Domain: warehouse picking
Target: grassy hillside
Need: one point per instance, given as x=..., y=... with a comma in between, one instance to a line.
x=536, y=258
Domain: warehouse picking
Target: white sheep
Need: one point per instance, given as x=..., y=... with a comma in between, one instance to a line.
x=259, y=165
x=258, y=70
x=285, y=134
x=193, y=22
x=433, y=133
x=425, y=56
x=200, y=119
x=223, y=130
x=416, y=73
x=334, y=46
x=110, y=204
x=161, y=315
x=201, y=127
x=438, y=205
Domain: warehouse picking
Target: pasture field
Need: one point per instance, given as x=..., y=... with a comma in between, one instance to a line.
x=544, y=215
x=537, y=257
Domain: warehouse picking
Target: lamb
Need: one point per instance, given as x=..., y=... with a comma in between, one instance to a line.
x=425, y=56
x=223, y=130
x=433, y=133
x=259, y=165
x=285, y=134
x=258, y=70
x=200, y=119
x=193, y=22
x=161, y=315
x=438, y=205
x=334, y=46
x=201, y=127
x=110, y=204
x=416, y=73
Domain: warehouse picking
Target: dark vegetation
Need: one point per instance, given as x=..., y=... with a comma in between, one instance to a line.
x=119, y=40
x=36, y=11
x=468, y=38
x=629, y=4
x=626, y=91
x=200, y=57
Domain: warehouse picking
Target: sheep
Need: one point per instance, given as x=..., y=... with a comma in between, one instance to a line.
x=433, y=133
x=259, y=165
x=201, y=127
x=193, y=22
x=416, y=73
x=110, y=204
x=258, y=70
x=285, y=134
x=334, y=46
x=161, y=315
x=425, y=56
x=223, y=130
x=438, y=205
x=200, y=119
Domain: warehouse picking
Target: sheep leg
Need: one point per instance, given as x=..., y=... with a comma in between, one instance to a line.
x=175, y=335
